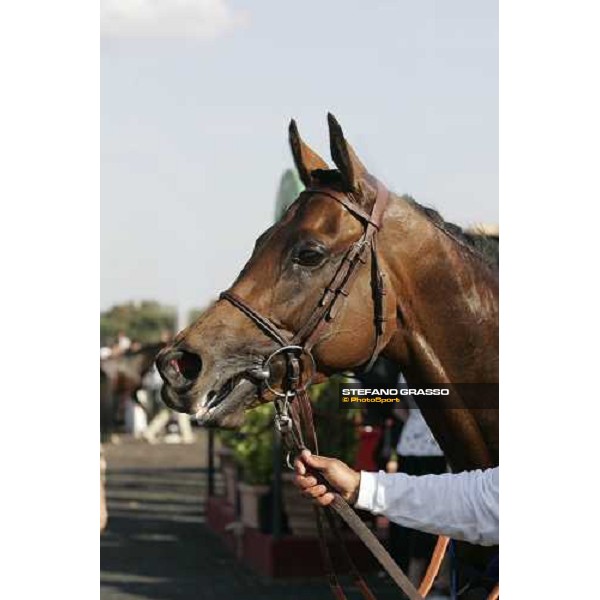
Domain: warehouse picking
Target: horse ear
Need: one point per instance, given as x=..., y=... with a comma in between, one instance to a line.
x=305, y=159
x=344, y=157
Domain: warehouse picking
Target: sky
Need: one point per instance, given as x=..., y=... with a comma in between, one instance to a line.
x=196, y=97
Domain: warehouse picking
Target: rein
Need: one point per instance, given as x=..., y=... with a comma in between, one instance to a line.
x=294, y=418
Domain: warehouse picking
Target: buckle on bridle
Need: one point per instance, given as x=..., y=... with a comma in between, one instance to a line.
x=296, y=352
x=283, y=423
x=288, y=460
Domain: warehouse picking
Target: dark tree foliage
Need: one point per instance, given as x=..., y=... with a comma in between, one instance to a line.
x=144, y=321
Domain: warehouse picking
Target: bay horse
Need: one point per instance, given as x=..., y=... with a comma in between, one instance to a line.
x=440, y=309
x=120, y=378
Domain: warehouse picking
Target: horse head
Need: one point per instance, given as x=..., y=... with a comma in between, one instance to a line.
x=213, y=367
x=423, y=296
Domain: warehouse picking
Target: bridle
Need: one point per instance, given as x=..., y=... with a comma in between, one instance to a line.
x=294, y=418
x=339, y=287
x=327, y=308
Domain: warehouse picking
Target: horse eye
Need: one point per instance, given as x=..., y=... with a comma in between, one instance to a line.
x=310, y=256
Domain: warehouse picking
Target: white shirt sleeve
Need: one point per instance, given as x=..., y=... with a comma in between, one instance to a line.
x=463, y=506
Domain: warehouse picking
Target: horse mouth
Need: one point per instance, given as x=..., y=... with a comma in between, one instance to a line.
x=214, y=398
x=225, y=406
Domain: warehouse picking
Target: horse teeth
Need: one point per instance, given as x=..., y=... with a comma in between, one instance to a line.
x=201, y=412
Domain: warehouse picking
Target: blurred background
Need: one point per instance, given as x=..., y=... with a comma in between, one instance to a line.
x=197, y=96
x=196, y=99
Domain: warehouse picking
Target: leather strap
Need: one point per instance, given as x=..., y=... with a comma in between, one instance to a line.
x=263, y=323
x=339, y=288
x=495, y=593
x=343, y=198
x=434, y=565
x=343, y=509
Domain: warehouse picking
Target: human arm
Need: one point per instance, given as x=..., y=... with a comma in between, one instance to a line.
x=463, y=506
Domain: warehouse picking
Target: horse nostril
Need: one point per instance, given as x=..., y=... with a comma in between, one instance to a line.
x=180, y=368
x=188, y=364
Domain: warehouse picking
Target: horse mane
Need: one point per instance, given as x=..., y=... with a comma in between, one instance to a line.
x=478, y=245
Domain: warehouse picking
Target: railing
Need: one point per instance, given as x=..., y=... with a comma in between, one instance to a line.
x=276, y=516
x=277, y=509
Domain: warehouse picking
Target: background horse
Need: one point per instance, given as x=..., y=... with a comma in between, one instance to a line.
x=120, y=378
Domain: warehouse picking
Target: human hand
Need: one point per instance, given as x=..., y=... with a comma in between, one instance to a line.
x=344, y=479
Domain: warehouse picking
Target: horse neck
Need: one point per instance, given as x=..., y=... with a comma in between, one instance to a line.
x=447, y=326
x=446, y=299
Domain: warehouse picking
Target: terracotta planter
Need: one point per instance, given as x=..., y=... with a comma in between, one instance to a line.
x=299, y=510
x=230, y=474
x=251, y=499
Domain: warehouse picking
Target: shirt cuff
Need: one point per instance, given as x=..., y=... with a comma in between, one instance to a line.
x=366, y=491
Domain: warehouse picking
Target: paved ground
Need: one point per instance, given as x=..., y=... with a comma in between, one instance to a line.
x=156, y=545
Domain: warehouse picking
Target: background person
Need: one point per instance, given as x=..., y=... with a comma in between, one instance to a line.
x=122, y=344
x=418, y=454
x=381, y=418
